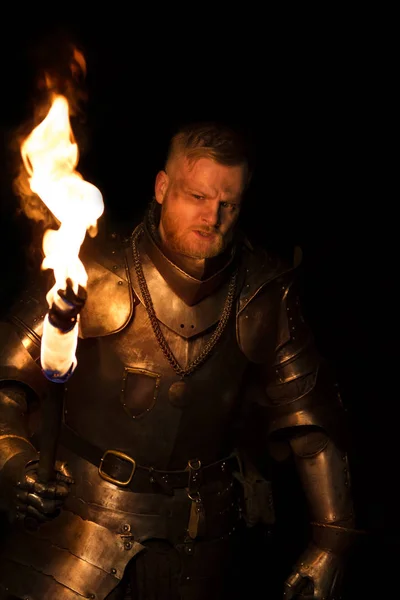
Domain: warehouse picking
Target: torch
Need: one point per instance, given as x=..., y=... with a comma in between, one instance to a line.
x=50, y=155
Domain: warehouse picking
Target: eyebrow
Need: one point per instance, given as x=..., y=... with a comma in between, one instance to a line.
x=201, y=191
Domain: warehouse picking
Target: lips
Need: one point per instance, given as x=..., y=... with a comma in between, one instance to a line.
x=205, y=234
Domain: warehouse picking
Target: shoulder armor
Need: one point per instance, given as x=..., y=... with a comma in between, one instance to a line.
x=261, y=323
x=20, y=335
x=109, y=304
x=17, y=363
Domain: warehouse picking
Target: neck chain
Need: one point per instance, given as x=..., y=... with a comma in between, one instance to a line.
x=226, y=312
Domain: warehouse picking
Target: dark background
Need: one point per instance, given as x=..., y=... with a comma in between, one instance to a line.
x=316, y=104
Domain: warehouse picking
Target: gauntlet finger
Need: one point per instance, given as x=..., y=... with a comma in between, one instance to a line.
x=44, y=490
x=33, y=514
x=292, y=586
x=43, y=505
x=22, y=498
x=64, y=478
x=62, y=491
x=62, y=470
x=26, y=484
x=51, y=490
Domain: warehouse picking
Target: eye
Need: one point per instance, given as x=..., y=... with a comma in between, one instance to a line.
x=198, y=196
x=230, y=205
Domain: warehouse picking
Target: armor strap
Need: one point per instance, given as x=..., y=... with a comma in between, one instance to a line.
x=122, y=470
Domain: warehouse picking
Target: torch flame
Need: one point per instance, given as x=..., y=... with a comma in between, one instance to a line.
x=50, y=155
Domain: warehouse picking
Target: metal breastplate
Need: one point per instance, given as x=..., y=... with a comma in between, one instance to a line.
x=135, y=402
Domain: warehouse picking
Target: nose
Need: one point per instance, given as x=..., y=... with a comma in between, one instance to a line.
x=212, y=214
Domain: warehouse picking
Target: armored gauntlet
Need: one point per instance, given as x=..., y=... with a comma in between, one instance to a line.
x=323, y=469
x=21, y=493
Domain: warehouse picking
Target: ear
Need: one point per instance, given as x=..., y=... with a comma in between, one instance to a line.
x=161, y=186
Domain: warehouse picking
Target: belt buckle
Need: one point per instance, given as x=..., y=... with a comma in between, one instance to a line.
x=124, y=457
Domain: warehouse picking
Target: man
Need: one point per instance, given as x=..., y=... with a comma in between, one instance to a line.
x=184, y=323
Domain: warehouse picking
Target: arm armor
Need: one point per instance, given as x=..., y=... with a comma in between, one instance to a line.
x=20, y=336
x=21, y=380
x=304, y=410
x=15, y=447
x=14, y=430
x=298, y=389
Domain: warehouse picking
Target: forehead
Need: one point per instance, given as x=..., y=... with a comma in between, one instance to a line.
x=209, y=173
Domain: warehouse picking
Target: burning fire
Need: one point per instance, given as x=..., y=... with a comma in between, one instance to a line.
x=50, y=155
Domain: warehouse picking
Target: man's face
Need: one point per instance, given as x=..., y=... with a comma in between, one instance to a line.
x=200, y=203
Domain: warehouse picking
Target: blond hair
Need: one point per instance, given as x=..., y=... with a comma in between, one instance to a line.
x=221, y=143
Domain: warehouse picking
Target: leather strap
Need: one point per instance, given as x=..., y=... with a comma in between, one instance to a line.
x=118, y=468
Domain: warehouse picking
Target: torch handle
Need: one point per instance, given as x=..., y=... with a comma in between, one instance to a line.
x=52, y=409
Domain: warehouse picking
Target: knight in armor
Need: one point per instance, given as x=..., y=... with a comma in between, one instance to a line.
x=184, y=323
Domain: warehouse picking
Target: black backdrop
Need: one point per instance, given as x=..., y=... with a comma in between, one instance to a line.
x=314, y=114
